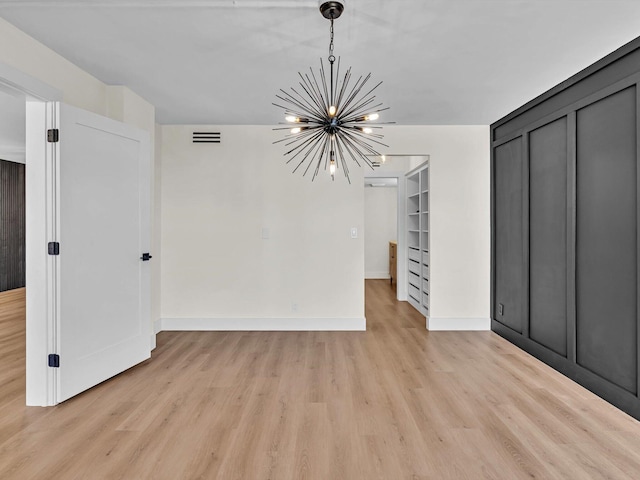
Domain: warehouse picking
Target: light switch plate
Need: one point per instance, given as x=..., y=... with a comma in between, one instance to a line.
x=354, y=232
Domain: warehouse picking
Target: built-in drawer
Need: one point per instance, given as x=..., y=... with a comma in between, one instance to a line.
x=425, y=258
x=414, y=279
x=425, y=299
x=425, y=270
x=414, y=267
x=414, y=292
x=414, y=254
x=425, y=285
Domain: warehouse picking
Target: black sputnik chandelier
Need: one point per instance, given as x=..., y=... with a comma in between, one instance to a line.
x=330, y=118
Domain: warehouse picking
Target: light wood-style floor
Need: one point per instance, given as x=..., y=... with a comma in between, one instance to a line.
x=394, y=402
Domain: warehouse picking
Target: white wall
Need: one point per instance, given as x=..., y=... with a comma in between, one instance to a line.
x=459, y=215
x=380, y=227
x=217, y=270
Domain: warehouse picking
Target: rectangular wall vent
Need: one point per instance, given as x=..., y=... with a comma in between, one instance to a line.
x=206, y=137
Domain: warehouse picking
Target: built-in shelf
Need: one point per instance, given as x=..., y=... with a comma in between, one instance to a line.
x=418, y=286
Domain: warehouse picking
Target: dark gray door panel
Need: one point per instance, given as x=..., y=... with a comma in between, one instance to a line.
x=606, y=246
x=508, y=234
x=548, y=236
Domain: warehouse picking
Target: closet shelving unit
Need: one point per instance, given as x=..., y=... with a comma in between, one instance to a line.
x=418, y=238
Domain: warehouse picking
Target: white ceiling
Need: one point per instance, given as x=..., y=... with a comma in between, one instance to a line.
x=223, y=61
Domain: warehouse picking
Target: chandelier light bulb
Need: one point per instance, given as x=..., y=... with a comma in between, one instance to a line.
x=292, y=119
x=296, y=130
x=367, y=130
x=372, y=116
x=332, y=110
x=332, y=168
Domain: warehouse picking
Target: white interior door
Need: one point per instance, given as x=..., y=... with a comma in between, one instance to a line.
x=100, y=183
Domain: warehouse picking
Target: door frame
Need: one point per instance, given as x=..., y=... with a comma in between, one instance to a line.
x=40, y=327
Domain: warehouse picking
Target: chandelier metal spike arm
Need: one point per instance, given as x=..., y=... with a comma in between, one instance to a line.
x=330, y=119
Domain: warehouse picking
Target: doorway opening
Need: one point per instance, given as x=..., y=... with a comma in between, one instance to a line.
x=12, y=234
x=381, y=229
x=388, y=176
x=12, y=191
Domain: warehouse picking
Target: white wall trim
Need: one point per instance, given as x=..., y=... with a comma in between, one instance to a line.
x=17, y=83
x=263, y=324
x=376, y=275
x=458, y=324
x=40, y=379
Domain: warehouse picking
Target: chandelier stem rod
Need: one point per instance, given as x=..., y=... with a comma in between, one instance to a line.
x=332, y=102
x=332, y=59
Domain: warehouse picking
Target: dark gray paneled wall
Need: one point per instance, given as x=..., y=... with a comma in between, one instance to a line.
x=12, y=226
x=565, y=218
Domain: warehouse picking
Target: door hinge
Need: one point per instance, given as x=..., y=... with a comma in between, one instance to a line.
x=54, y=248
x=53, y=135
x=145, y=257
x=54, y=360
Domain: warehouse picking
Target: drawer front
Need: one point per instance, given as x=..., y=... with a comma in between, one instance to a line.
x=414, y=279
x=414, y=267
x=414, y=292
x=425, y=285
x=425, y=270
x=425, y=258
x=414, y=254
x=425, y=299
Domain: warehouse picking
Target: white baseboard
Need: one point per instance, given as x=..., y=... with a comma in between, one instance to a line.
x=458, y=324
x=376, y=275
x=263, y=324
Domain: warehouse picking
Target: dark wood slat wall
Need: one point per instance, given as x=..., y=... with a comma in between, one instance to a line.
x=12, y=225
x=565, y=271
